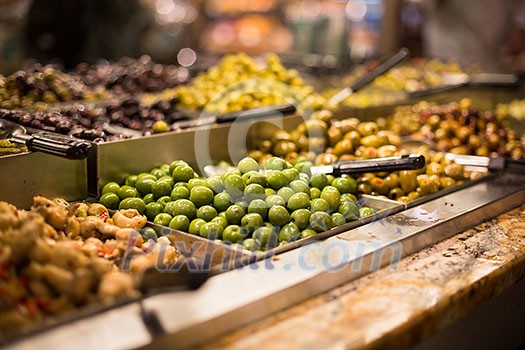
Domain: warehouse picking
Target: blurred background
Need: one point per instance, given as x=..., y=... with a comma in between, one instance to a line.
x=311, y=32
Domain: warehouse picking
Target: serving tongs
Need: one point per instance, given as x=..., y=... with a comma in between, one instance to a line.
x=476, y=163
x=451, y=81
x=359, y=166
x=389, y=63
x=51, y=143
x=248, y=114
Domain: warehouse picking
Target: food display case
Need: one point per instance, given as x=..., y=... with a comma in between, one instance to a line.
x=249, y=285
x=90, y=132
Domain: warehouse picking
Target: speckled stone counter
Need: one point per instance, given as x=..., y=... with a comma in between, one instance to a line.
x=398, y=308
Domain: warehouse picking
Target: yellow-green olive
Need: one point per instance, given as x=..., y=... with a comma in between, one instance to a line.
x=370, y=152
x=368, y=128
x=323, y=115
x=280, y=135
x=343, y=147
x=413, y=196
x=392, y=180
x=446, y=181
x=434, y=169
x=408, y=180
x=396, y=193
x=283, y=147
x=379, y=186
x=265, y=146
x=325, y=159
x=353, y=136
x=454, y=171
x=334, y=135
x=316, y=144
x=387, y=151
x=316, y=128
x=371, y=141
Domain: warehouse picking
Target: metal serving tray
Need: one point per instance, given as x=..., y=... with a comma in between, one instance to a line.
x=220, y=257
x=29, y=174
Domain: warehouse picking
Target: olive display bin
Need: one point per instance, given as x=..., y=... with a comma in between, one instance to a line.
x=30, y=174
x=234, y=298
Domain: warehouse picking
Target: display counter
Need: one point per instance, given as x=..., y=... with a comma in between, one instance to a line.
x=464, y=291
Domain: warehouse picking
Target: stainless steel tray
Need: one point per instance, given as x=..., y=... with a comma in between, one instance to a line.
x=26, y=175
x=218, y=256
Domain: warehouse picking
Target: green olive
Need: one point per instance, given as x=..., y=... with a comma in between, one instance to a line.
x=366, y=211
x=266, y=237
x=299, y=200
x=234, y=233
x=110, y=187
x=338, y=219
x=320, y=221
x=278, y=215
x=349, y=210
x=110, y=200
x=153, y=209
x=180, y=222
x=248, y=164
x=195, y=226
x=289, y=232
x=301, y=217
x=276, y=179
x=206, y=212
x=252, y=221
x=133, y=203
x=163, y=219
x=332, y=195
x=254, y=177
x=234, y=214
x=308, y=233
x=210, y=230
x=127, y=192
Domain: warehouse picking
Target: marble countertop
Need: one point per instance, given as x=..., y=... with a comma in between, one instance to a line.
x=399, y=307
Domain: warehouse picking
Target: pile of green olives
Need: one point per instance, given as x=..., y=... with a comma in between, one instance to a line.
x=257, y=209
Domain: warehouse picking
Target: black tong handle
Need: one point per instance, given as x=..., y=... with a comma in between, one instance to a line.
x=57, y=145
x=374, y=165
x=259, y=112
x=399, y=57
x=393, y=60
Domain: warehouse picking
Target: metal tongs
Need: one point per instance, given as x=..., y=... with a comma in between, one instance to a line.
x=451, y=81
x=55, y=144
x=248, y=114
x=405, y=162
x=389, y=63
x=478, y=163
